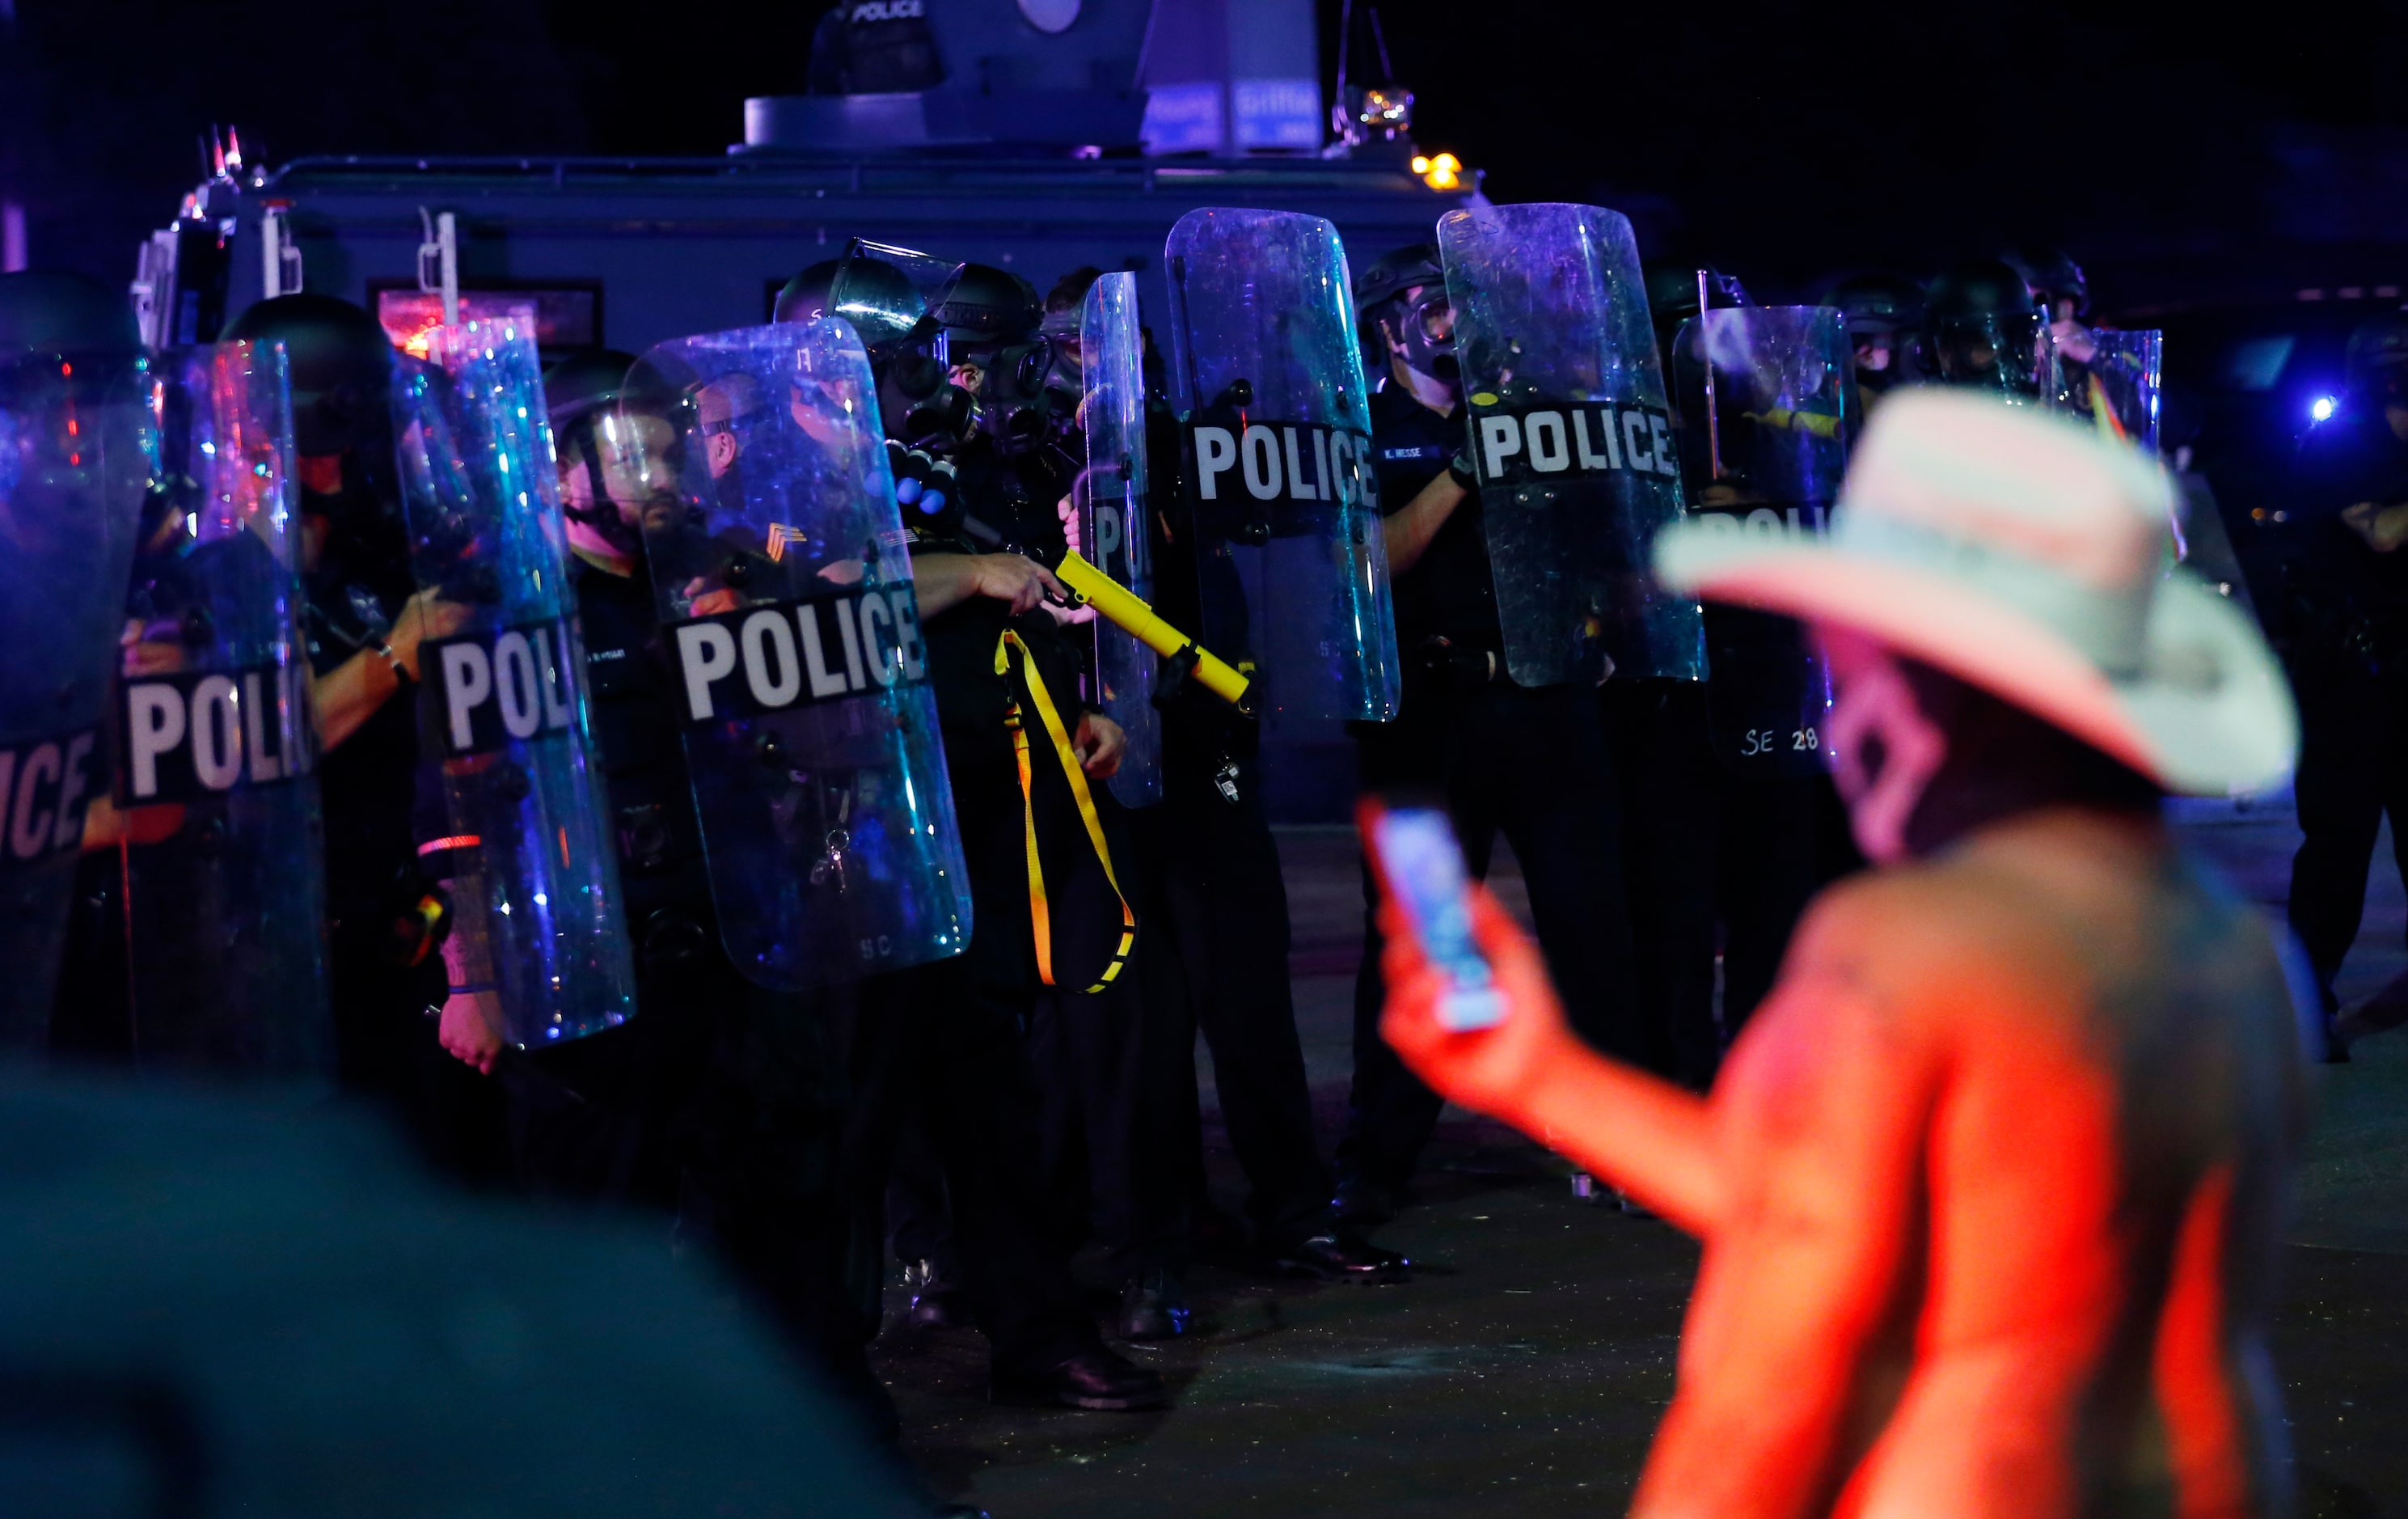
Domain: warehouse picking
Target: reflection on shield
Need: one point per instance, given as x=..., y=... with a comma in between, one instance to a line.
x=1285, y=509
x=536, y=907
x=784, y=590
x=224, y=867
x=1110, y=500
x=2117, y=386
x=1766, y=396
x=1578, y=462
x=73, y=464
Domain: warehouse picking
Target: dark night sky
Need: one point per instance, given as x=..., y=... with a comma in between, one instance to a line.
x=1781, y=141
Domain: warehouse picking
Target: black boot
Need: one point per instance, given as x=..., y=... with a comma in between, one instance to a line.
x=936, y=1297
x=1097, y=1379
x=1342, y=1255
x=1153, y=1306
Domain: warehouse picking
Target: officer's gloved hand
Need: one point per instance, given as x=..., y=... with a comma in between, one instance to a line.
x=1459, y=469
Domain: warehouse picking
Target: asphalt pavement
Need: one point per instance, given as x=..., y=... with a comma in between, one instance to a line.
x=1524, y=1370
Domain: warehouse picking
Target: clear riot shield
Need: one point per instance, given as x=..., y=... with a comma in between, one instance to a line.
x=1110, y=497
x=502, y=715
x=1278, y=436
x=216, y=766
x=1764, y=394
x=784, y=590
x=2118, y=384
x=1571, y=439
x=72, y=470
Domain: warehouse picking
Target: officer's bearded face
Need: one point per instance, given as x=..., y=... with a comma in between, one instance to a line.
x=1889, y=748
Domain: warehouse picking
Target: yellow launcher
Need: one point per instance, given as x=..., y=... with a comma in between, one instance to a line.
x=1116, y=601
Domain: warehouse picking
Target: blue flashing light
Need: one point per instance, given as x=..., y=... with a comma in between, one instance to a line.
x=2321, y=408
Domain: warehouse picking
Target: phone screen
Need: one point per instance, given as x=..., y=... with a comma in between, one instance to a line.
x=1424, y=868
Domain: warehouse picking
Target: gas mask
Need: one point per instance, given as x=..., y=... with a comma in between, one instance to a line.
x=927, y=410
x=1018, y=408
x=1421, y=322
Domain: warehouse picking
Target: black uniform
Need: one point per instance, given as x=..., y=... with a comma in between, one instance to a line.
x=721, y=1099
x=1531, y=763
x=382, y=970
x=2343, y=628
x=949, y=1040
x=1215, y=960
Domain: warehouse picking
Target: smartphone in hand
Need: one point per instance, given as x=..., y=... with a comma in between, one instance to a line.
x=1415, y=853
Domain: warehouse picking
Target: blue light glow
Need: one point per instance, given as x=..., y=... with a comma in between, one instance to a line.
x=2321, y=408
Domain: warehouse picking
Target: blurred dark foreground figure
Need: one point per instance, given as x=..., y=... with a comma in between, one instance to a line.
x=220, y=1306
x=1990, y=1186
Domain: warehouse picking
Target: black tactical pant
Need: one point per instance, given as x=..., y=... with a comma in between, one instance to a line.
x=1717, y=863
x=722, y=1103
x=1215, y=960
x=2352, y=727
x=1089, y=1051
x=1533, y=765
x=951, y=1039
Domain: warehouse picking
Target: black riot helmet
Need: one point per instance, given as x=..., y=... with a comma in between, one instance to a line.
x=584, y=394
x=2376, y=360
x=1884, y=316
x=583, y=383
x=806, y=296
x=992, y=321
x=2054, y=279
x=1982, y=330
x=983, y=303
x=1396, y=273
x=341, y=364
x=1877, y=302
x=884, y=307
x=55, y=311
x=1403, y=298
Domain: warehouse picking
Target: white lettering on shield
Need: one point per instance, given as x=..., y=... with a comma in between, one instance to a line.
x=793, y=654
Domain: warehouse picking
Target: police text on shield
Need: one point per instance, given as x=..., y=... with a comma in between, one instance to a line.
x=779, y=655
x=1572, y=441
x=489, y=689
x=187, y=735
x=1283, y=461
x=45, y=785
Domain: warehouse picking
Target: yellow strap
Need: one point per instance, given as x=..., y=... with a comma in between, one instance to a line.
x=1040, y=913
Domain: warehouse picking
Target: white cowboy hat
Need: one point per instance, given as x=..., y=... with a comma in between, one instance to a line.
x=2025, y=553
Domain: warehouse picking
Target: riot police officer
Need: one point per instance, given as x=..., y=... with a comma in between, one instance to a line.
x=1883, y=312
x=2342, y=618
x=1205, y=869
x=1529, y=762
x=1982, y=328
x=948, y=1038
x=722, y=1099
x=364, y=624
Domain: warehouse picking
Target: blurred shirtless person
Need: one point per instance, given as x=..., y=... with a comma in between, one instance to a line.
x=1990, y=1186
